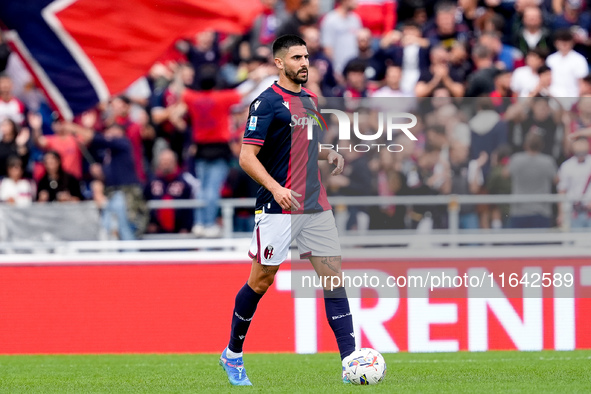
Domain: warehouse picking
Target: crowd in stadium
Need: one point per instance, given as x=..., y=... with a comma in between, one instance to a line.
x=499, y=87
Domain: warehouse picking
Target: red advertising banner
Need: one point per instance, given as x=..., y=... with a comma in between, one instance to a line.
x=187, y=308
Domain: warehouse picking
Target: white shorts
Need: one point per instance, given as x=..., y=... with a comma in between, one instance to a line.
x=315, y=234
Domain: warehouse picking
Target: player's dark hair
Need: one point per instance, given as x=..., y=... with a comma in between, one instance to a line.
x=285, y=42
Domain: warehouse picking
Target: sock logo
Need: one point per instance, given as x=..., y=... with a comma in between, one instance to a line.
x=241, y=318
x=341, y=316
x=241, y=336
x=268, y=252
x=352, y=334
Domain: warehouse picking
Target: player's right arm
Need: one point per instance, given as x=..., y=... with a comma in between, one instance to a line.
x=249, y=162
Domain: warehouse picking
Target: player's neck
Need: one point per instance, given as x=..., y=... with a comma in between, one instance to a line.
x=288, y=84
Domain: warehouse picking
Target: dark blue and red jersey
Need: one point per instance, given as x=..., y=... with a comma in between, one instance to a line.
x=286, y=152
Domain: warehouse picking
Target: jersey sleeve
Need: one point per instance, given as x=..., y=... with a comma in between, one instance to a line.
x=260, y=117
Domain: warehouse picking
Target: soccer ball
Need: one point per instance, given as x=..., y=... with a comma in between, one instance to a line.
x=365, y=366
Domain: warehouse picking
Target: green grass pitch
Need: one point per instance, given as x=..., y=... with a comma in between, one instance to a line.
x=531, y=372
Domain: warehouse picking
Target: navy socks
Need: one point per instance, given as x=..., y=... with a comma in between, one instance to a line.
x=244, y=308
x=340, y=319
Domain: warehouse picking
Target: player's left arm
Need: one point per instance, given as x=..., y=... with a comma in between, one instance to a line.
x=332, y=157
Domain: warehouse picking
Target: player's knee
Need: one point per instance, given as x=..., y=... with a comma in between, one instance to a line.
x=262, y=283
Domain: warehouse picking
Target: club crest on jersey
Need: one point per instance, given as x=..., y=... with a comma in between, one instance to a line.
x=268, y=252
x=286, y=104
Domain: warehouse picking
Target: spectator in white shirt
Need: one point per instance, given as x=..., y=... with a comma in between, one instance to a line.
x=568, y=67
x=525, y=79
x=14, y=189
x=574, y=180
x=339, y=30
x=392, y=89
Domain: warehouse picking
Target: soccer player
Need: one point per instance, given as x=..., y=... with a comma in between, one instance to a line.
x=291, y=202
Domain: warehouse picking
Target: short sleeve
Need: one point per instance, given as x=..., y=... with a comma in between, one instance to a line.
x=582, y=69
x=260, y=117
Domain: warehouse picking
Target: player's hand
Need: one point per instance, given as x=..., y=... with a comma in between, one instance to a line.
x=338, y=160
x=286, y=199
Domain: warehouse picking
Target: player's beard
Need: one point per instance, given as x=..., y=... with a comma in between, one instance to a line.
x=296, y=76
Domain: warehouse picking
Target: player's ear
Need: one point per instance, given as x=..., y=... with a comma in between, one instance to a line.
x=279, y=63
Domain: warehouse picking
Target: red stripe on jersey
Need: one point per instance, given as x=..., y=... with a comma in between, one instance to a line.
x=322, y=197
x=253, y=141
x=288, y=180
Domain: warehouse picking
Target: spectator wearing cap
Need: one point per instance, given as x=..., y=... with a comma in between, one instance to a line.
x=533, y=35
x=439, y=74
x=444, y=30
x=339, y=29
x=169, y=184
x=574, y=180
x=481, y=81
x=525, y=80
x=568, y=67
x=531, y=172
x=305, y=15
x=14, y=189
x=56, y=184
